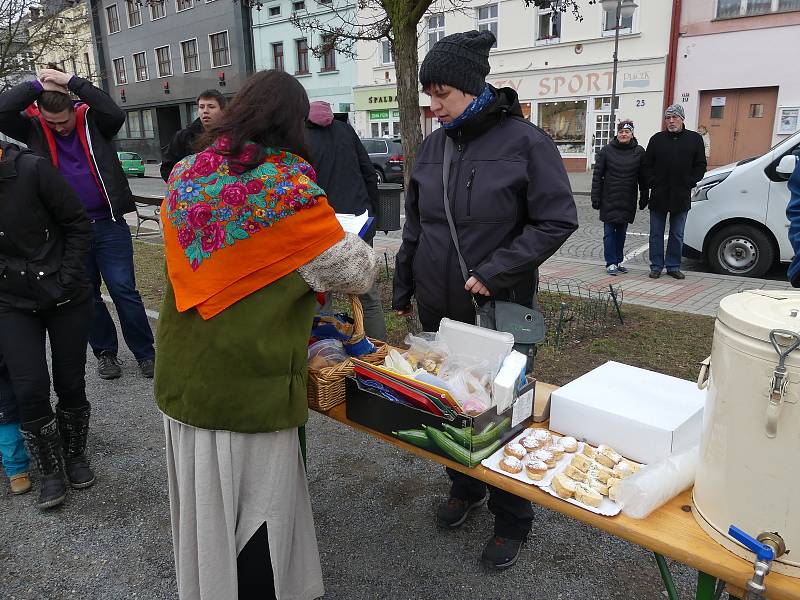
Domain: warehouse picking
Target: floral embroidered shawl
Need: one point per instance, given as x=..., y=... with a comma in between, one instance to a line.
x=229, y=233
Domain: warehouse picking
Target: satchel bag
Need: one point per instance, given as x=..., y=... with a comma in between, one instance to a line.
x=525, y=324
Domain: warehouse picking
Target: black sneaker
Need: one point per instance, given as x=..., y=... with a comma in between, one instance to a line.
x=147, y=367
x=654, y=274
x=501, y=552
x=453, y=512
x=108, y=367
x=676, y=274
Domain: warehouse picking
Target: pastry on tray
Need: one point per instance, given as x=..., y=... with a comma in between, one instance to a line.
x=598, y=486
x=569, y=444
x=607, y=456
x=588, y=495
x=563, y=486
x=514, y=449
x=530, y=443
x=535, y=469
x=600, y=472
x=511, y=464
x=556, y=450
x=582, y=462
x=546, y=457
x=575, y=473
x=589, y=451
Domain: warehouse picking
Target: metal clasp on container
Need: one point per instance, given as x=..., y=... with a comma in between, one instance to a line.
x=777, y=385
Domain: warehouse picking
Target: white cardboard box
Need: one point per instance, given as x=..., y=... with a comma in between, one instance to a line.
x=643, y=415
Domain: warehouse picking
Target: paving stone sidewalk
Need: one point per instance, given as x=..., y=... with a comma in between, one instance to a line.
x=699, y=293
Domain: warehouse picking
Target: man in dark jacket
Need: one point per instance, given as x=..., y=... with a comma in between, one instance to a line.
x=210, y=105
x=78, y=140
x=44, y=291
x=346, y=174
x=676, y=161
x=512, y=208
x=618, y=171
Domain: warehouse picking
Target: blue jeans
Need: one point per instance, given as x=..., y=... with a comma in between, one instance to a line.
x=614, y=242
x=658, y=224
x=15, y=457
x=111, y=257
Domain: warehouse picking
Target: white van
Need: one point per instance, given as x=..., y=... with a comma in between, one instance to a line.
x=738, y=216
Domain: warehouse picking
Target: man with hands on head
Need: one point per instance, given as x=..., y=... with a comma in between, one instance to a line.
x=77, y=137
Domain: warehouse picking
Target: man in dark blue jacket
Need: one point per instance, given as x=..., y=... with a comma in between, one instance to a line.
x=512, y=208
x=793, y=214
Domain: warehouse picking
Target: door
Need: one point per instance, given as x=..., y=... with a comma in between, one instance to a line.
x=778, y=199
x=168, y=122
x=602, y=133
x=739, y=122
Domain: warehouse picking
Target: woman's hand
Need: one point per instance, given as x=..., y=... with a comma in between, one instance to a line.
x=404, y=313
x=476, y=287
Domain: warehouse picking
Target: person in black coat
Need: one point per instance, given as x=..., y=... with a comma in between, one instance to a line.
x=512, y=208
x=45, y=236
x=345, y=172
x=210, y=105
x=618, y=171
x=676, y=161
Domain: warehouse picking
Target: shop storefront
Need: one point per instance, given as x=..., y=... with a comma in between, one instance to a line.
x=574, y=107
x=377, y=113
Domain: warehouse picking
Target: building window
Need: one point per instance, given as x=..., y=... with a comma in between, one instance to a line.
x=147, y=124
x=158, y=9
x=220, y=51
x=756, y=111
x=134, y=13
x=548, y=24
x=727, y=9
x=298, y=6
x=113, y=18
x=609, y=24
x=277, y=56
x=387, y=52
x=717, y=112
x=435, y=29
x=487, y=19
x=140, y=66
x=274, y=11
x=183, y=5
x=565, y=122
x=120, y=76
x=302, y=56
x=191, y=61
x=134, y=124
x=164, y=61
x=328, y=51
x=324, y=1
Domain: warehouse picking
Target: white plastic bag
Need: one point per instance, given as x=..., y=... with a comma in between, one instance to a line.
x=656, y=484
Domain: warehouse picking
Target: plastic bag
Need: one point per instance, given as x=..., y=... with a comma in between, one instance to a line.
x=469, y=382
x=326, y=353
x=653, y=486
x=425, y=351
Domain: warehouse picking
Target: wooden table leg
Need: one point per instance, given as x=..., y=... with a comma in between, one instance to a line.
x=666, y=577
x=706, y=586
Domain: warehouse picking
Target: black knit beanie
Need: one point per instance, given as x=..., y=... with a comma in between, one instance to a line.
x=460, y=60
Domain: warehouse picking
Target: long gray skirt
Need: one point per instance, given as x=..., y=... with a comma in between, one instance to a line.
x=222, y=487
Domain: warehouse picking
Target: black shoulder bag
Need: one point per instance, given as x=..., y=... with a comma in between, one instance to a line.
x=525, y=324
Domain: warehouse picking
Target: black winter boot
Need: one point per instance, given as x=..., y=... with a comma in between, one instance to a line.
x=44, y=445
x=74, y=427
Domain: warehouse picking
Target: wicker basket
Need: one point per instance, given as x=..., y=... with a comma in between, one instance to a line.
x=326, y=386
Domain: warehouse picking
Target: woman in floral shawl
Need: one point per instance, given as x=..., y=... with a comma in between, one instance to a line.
x=248, y=236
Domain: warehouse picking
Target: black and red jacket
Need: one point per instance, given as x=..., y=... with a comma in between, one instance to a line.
x=99, y=119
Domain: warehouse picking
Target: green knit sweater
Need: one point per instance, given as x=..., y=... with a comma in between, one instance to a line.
x=243, y=370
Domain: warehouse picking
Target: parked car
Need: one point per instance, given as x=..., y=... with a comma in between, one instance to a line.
x=132, y=163
x=738, y=217
x=387, y=158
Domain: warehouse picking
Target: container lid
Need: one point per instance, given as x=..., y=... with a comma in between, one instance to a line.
x=755, y=313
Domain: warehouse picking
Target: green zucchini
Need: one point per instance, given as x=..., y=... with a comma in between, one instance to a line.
x=484, y=453
x=491, y=435
x=488, y=428
x=462, y=436
x=416, y=437
x=448, y=446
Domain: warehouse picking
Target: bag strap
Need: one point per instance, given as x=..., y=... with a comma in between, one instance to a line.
x=448, y=158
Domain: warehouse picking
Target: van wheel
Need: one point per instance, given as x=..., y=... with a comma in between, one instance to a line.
x=741, y=250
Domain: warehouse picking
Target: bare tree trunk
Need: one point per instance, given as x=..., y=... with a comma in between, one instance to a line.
x=406, y=67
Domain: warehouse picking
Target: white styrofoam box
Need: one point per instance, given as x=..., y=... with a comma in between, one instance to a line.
x=645, y=416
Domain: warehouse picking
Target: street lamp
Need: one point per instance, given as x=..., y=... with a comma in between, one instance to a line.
x=622, y=9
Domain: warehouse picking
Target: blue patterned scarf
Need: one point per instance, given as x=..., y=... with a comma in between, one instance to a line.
x=476, y=106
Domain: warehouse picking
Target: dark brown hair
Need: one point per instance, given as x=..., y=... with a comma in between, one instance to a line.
x=270, y=110
x=54, y=102
x=213, y=95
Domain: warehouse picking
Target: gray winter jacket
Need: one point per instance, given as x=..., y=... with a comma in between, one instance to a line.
x=512, y=205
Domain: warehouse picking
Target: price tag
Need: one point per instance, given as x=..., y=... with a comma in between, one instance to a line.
x=523, y=408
